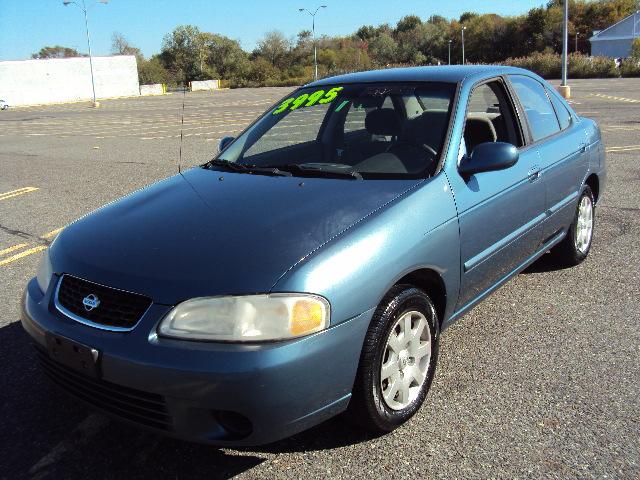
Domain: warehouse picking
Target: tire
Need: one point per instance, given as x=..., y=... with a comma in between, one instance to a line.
x=575, y=246
x=374, y=405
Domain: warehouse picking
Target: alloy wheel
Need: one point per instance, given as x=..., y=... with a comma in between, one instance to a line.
x=405, y=360
x=584, y=226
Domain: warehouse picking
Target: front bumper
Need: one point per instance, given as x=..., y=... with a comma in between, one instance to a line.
x=280, y=388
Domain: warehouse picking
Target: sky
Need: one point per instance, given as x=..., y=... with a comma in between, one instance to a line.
x=28, y=25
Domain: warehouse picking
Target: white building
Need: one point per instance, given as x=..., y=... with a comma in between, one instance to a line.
x=615, y=41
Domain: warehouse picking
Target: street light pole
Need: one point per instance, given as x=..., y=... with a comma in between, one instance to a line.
x=313, y=30
x=577, y=35
x=463, y=29
x=83, y=7
x=450, y=51
x=564, y=89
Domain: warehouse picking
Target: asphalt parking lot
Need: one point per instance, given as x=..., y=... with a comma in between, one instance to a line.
x=541, y=380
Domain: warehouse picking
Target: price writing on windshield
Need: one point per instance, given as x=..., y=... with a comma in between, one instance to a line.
x=308, y=100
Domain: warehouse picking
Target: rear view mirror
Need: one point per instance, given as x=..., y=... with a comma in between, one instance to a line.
x=224, y=142
x=488, y=157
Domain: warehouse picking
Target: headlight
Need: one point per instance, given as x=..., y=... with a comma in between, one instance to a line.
x=45, y=271
x=247, y=318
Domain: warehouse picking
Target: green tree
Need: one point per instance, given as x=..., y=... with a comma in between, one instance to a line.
x=262, y=70
x=189, y=54
x=438, y=20
x=57, y=51
x=226, y=57
x=366, y=33
x=305, y=37
x=121, y=46
x=466, y=16
x=533, y=32
x=153, y=71
x=483, y=30
x=181, y=53
x=383, y=49
x=274, y=46
x=408, y=23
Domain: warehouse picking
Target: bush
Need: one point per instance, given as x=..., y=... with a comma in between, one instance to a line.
x=544, y=64
x=635, y=49
x=549, y=65
x=630, y=68
x=152, y=71
x=601, y=67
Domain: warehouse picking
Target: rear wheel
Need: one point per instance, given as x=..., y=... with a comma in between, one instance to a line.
x=398, y=361
x=575, y=246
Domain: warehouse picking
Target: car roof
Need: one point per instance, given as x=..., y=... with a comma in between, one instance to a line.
x=445, y=73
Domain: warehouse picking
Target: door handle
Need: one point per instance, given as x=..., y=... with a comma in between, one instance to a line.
x=534, y=173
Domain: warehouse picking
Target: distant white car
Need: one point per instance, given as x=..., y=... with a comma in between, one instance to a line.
x=3, y=105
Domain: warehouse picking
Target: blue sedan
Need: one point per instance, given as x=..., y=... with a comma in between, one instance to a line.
x=310, y=268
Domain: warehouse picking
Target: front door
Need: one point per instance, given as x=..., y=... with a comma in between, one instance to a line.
x=501, y=212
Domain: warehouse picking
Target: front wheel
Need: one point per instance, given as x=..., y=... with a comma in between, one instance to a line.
x=575, y=246
x=398, y=361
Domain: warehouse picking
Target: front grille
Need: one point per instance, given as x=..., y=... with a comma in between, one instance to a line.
x=117, y=308
x=145, y=408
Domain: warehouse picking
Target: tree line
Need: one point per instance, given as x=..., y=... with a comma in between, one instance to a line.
x=188, y=53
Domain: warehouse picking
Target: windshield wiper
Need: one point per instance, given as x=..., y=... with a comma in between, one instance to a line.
x=251, y=169
x=317, y=172
x=275, y=171
x=233, y=166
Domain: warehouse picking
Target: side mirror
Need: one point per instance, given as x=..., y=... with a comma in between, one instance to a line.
x=488, y=157
x=224, y=142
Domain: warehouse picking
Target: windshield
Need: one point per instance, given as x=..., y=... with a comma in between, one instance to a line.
x=364, y=130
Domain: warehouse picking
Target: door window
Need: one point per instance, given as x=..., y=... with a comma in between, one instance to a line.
x=540, y=114
x=490, y=117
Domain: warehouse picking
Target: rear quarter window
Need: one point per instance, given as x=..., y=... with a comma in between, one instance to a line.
x=564, y=117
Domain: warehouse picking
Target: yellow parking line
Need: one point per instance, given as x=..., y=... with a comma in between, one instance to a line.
x=35, y=248
x=15, y=193
x=622, y=147
x=625, y=146
x=625, y=149
x=13, y=249
x=611, y=97
x=53, y=233
x=22, y=254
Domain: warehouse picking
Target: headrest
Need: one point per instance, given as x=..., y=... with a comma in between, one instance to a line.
x=383, y=121
x=480, y=129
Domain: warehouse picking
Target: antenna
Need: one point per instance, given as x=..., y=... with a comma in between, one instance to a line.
x=184, y=93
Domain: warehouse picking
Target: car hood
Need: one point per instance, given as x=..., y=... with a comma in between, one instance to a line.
x=206, y=232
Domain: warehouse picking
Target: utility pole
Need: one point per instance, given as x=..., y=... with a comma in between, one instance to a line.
x=463, y=29
x=450, y=51
x=83, y=7
x=313, y=30
x=564, y=89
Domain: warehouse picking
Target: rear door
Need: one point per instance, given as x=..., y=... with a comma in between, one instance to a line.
x=561, y=144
